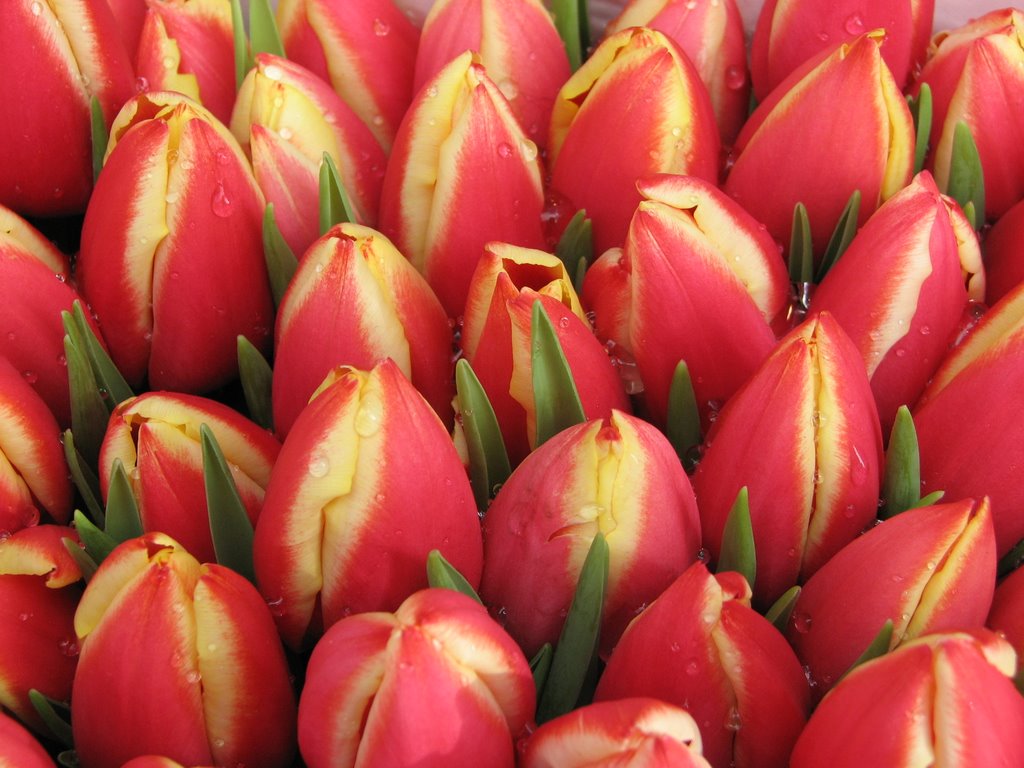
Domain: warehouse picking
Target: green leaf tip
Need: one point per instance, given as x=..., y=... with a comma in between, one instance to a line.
x=738, y=552
x=230, y=527
x=556, y=400
x=263, y=29
x=335, y=204
x=966, y=182
x=489, y=465
x=278, y=255
x=683, y=424
x=576, y=248
x=257, y=378
x=801, y=247
x=901, y=482
x=842, y=235
x=100, y=136
x=444, y=575
x=921, y=111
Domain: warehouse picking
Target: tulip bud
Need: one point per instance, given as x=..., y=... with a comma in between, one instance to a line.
x=674, y=132
x=172, y=252
x=156, y=438
x=849, y=96
x=188, y=47
x=701, y=647
x=641, y=733
x=365, y=50
x=1004, y=254
x=802, y=435
x=18, y=749
x=462, y=174
x=152, y=761
x=968, y=419
x=789, y=32
x=616, y=476
x=496, y=340
x=976, y=74
x=900, y=289
x=178, y=659
x=712, y=36
x=1006, y=616
x=130, y=16
x=286, y=118
x=698, y=280
x=367, y=484
x=928, y=570
x=55, y=58
x=517, y=43
x=942, y=700
x=38, y=597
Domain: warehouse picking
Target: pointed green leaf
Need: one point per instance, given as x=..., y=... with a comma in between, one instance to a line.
x=263, y=29
x=801, y=248
x=683, y=426
x=842, y=236
x=256, y=376
x=966, y=177
x=576, y=247
x=578, y=642
x=901, y=484
x=738, y=540
x=84, y=479
x=58, y=725
x=100, y=137
x=123, y=520
x=243, y=61
x=573, y=25
x=540, y=666
x=444, y=575
x=555, y=397
x=488, y=460
x=1011, y=561
x=82, y=559
x=108, y=377
x=921, y=111
x=281, y=261
x=335, y=205
x=932, y=498
x=97, y=543
x=89, y=414
x=877, y=647
x=229, y=522
x=782, y=609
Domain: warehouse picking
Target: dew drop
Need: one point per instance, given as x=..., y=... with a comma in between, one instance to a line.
x=276, y=607
x=733, y=721
x=854, y=24
x=219, y=743
x=220, y=203
x=823, y=36
x=901, y=353
x=508, y=88
x=319, y=465
x=23, y=616
x=708, y=618
x=193, y=677
x=691, y=4
x=37, y=8
x=172, y=197
x=504, y=149
x=802, y=623
x=674, y=647
x=212, y=647
x=285, y=133
x=30, y=376
x=925, y=330
x=68, y=647
x=273, y=72
x=431, y=92
x=381, y=28
x=369, y=416
x=378, y=120
x=528, y=150
x=10, y=336
x=168, y=62
x=563, y=321
x=735, y=78
x=692, y=667
x=141, y=84
x=858, y=468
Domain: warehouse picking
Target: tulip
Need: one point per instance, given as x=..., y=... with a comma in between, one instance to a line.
x=517, y=43
x=943, y=700
x=156, y=438
x=968, y=419
x=18, y=749
x=496, y=340
x=711, y=34
x=33, y=474
x=462, y=174
x=928, y=570
x=130, y=16
x=152, y=761
x=850, y=97
x=367, y=484
x=900, y=290
x=802, y=435
x=617, y=476
x=435, y=684
x=386, y=309
x=55, y=58
x=701, y=647
x=365, y=50
x=178, y=659
x=699, y=280
x=38, y=597
x=188, y=47
x=789, y=32
x=671, y=130
x=1006, y=616
x=976, y=74
x=1004, y=254
x=641, y=733
x=286, y=118
x=172, y=252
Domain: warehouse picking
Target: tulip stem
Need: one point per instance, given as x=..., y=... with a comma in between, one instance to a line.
x=97, y=543
x=782, y=609
x=877, y=647
x=540, y=666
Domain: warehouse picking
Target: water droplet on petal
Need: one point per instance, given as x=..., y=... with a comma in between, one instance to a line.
x=504, y=149
x=381, y=28
x=854, y=24
x=823, y=36
x=802, y=623
x=369, y=416
x=37, y=8
x=528, y=150
x=735, y=78
x=858, y=468
x=172, y=197
x=508, y=88
x=733, y=722
x=141, y=84
x=273, y=72
x=319, y=465
x=68, y=647
x=30, y=376
x=220, y=203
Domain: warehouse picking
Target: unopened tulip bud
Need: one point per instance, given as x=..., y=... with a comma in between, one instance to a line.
x=1004, y=254
x=18, y=749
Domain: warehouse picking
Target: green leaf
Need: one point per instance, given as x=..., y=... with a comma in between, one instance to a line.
x=444, y=575
x=921, y=111
x=100, y=137
x=108, y=377
x=46, y=708
x=578, y=642
x=488, y=460
x=335, y=205
x=278, y=255
x=84, y=478
x=263, y=29
x=901, y=484
x=89, y=414
x=801, y=248
x=555, y=397
x=572, y=23
x=1011, y=561
x=877, y=647
x=123, y=520
x=576, y=248
x=243, y=61
x=97, y=543
x=256, y=376
x=229, y=522
x=82, y=558
x=738, y=552
x=932, y=498
x=782, y=609
x=966, y=177
x=842, y=236
x=540, y=666
x=683, y=426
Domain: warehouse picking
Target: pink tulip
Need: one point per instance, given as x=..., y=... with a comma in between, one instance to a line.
x=18, y=749
x=1006, y=616
x=1004, y=254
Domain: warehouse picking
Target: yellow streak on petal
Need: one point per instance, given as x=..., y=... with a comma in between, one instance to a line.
x=23, y=458
x=172, y=78
x=899, y=161
x=18, y=236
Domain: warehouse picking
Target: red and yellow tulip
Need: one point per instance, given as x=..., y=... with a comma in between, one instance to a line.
x=18, y=749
